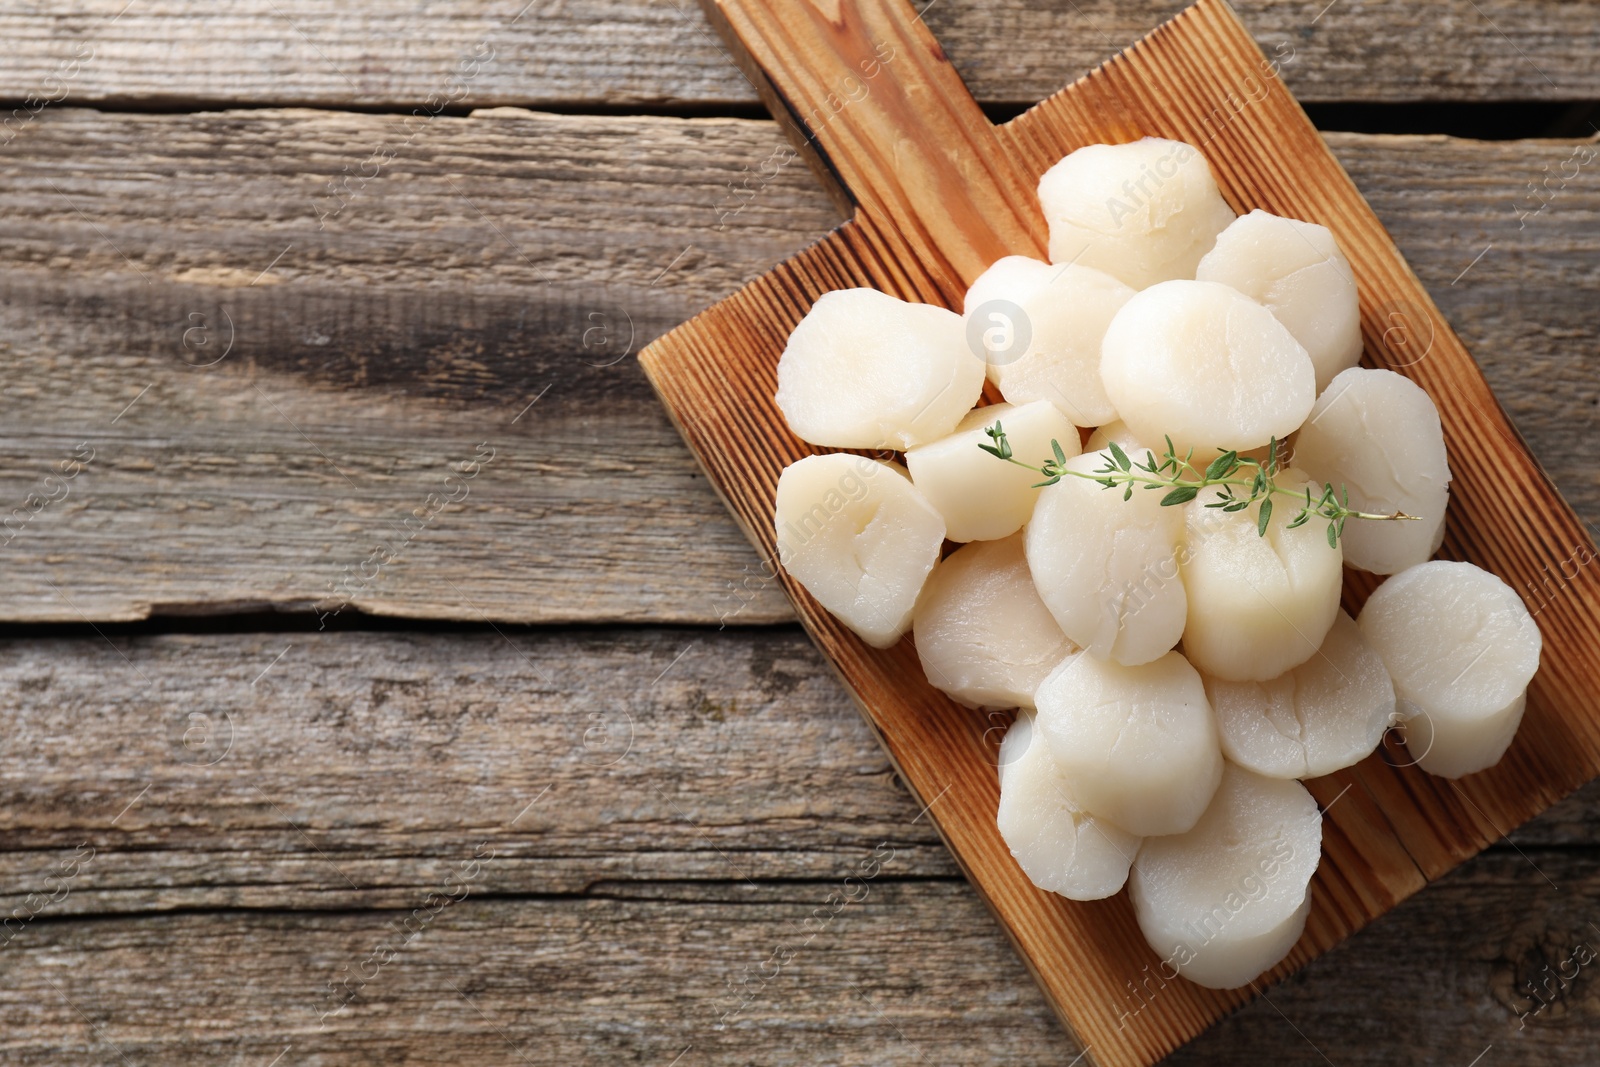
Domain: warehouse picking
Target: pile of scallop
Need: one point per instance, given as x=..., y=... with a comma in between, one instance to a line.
x=1177, y=668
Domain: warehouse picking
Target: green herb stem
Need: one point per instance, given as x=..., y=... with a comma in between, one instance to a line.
x=1184, y=481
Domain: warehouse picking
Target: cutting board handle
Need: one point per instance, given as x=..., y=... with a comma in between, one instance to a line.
x=870, y=96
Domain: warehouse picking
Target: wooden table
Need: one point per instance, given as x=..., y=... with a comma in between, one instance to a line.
x=384, y=684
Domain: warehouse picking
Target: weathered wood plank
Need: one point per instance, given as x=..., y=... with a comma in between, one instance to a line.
x=723, y=973
x=629, y=52
x=718, y=807
x=257, y=481
x=625, y=978
x=497, y=261
x=275, y=770
x=355, y=769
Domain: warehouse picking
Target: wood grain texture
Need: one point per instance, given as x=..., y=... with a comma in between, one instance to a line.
x=912, y=973
x=209, y=772
x=584, y=53
x=1199, y=78
x=264, y=782
x=632, y=907
x=410, y=309
x=616, y=924
x=869, y=87
x=496, y=261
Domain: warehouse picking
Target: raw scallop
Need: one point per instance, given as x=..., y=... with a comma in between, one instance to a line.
x=1116, y=431
x=1207, y=366
x=983, y=498
x=1461, y=648
x=1377, y=434
x=1141, y=452
x=1039, y=328
x=1060, y=847
x=1139, y=744
x=861, y=539
x=982, y=633
x=1296, y=271
x=1226, y=901
x=1329, y=712
x=1143, y=212
x=1258, y=606
x=865, y=370
x=1108, y=568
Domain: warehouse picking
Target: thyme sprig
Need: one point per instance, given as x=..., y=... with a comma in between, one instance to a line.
x=1244, y=481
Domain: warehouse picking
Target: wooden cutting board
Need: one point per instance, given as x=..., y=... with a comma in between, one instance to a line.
x=939, y=193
